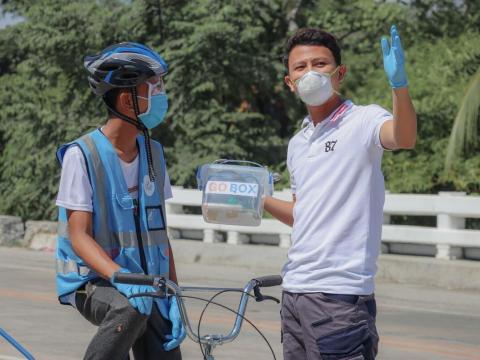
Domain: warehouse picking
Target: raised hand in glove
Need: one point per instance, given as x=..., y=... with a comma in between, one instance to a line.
x=394, y=60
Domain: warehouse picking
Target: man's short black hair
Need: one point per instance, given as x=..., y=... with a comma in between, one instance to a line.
x=110, y=98
x=313, y=36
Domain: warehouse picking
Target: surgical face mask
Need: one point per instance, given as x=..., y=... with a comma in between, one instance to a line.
x=315, y=88
x=157, y=105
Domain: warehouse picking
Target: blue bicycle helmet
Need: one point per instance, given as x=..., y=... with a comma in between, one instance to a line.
x=123, y=65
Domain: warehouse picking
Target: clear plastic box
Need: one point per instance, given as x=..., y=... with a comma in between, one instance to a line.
x=233, y=193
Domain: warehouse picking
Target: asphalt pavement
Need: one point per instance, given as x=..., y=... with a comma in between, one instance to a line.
x=415, y=322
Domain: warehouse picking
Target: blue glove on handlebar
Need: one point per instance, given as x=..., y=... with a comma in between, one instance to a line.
x=394, y=60
x=143, y=304
x=178, y=330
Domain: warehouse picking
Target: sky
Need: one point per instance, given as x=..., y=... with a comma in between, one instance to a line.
x=7, y=18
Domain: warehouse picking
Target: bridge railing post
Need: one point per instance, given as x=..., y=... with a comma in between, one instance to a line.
x=386, y=220
x=446, y=221
x=285, y=241
x=212, y=236
x=236, y=238
x=173, y=209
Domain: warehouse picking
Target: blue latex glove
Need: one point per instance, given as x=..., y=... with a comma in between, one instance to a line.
x=178, y=331
x=394, y=60
x=143, y=304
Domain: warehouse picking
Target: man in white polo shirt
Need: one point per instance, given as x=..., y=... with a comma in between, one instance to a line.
x=328, y=304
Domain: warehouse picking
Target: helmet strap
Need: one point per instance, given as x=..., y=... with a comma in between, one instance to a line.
x=148, y=148
x=124, y=117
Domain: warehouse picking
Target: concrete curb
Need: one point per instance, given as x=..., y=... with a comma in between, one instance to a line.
x=261, y=257
x=458, y=274
x=454, y=275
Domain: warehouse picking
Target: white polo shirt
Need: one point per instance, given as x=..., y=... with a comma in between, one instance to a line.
x=335, y=171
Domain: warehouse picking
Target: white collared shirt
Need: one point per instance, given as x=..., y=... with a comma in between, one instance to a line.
x=335, y=171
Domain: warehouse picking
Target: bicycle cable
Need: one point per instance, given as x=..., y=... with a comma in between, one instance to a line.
x=229, y=309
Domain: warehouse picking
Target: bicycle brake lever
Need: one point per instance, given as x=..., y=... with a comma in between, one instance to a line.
x=260, y=297
x=158, y=294
x=161, y=289
x=268, y=297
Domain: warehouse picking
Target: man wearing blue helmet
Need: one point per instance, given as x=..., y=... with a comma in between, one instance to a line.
x=111, y=201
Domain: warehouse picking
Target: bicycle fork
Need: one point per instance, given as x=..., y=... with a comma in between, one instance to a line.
x=208, y=350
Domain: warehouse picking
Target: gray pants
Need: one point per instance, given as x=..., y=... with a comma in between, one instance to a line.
x=121, y=327
x=321, y=326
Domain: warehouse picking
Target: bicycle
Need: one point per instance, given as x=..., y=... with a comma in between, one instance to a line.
x=16, y=345
x=208, y=342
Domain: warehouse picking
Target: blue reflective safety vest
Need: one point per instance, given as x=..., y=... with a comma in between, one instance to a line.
x=132, y=232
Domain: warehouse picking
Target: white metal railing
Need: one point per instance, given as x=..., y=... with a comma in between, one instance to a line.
x=448, y=240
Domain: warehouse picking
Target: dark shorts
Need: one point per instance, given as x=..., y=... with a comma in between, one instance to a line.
x=321, y=326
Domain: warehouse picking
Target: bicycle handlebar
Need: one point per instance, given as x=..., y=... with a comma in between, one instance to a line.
x=136, y=279
x=268, y=281
x=160, y=282
x=142, y=279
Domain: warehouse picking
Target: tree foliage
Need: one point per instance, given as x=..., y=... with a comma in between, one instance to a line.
x=464, y=136
x=226, y=90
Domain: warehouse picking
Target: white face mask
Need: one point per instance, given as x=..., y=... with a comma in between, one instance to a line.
x=315, y=88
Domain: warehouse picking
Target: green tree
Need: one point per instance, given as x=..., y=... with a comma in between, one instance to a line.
x=221, y=84
x=44, y=96
x=464, y=136
x=225, y=85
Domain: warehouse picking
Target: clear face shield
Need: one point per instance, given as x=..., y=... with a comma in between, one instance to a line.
x=156, y=86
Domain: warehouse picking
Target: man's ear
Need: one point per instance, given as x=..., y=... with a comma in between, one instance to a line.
x=125, y=100
x=289, y=83
x=342, y=72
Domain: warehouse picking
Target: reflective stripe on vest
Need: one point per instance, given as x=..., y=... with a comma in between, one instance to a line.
x=124, y=239
x=71, y=266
